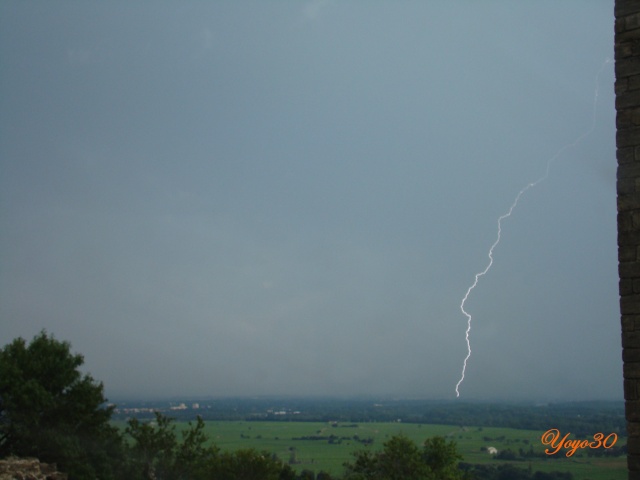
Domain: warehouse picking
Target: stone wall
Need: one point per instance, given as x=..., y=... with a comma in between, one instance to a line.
x=14, y=468
x=627, y=56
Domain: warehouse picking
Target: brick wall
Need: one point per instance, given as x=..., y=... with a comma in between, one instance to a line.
x=627, y=56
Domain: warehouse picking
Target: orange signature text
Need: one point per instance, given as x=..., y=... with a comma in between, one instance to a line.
x=557, y=442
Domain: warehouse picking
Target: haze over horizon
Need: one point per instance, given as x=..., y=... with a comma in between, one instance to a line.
x=291, y=198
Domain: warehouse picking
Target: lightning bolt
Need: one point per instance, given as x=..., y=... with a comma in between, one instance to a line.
x=506, y=215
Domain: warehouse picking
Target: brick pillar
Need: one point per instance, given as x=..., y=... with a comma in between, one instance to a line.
x=627, y=56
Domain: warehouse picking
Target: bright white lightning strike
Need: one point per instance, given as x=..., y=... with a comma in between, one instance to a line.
x=508, y=214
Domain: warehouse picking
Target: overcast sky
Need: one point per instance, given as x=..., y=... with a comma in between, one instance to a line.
x=292, y=197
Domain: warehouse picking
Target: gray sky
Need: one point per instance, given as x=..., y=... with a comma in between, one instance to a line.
x=247, y=198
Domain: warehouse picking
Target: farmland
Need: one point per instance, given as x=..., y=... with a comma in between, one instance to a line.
x=321, y=434
x=325, y=446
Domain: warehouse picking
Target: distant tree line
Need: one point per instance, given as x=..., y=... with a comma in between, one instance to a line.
x=579, y=418
x=334, y=439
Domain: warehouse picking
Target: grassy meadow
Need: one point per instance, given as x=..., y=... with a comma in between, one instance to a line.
x=334, y=443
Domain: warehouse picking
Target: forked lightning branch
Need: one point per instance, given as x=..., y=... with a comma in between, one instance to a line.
x=503, y=217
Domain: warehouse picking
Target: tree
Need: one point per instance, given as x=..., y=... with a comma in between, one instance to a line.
x=154, y=446
x=401, y=459
x=323, y=476
x=306, y=474
x=442, y=458
x=250, y=464
x=50, y=410
x=156, y=452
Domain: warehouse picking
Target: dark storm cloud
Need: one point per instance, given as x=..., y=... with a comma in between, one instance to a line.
x=242, y=198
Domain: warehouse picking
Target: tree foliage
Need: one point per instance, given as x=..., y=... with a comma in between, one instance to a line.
x=50, y=410
x=156, y=452
x=442, y=458
x=402, y=459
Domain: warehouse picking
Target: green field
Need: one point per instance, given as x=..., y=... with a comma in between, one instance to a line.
x=329, y=453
